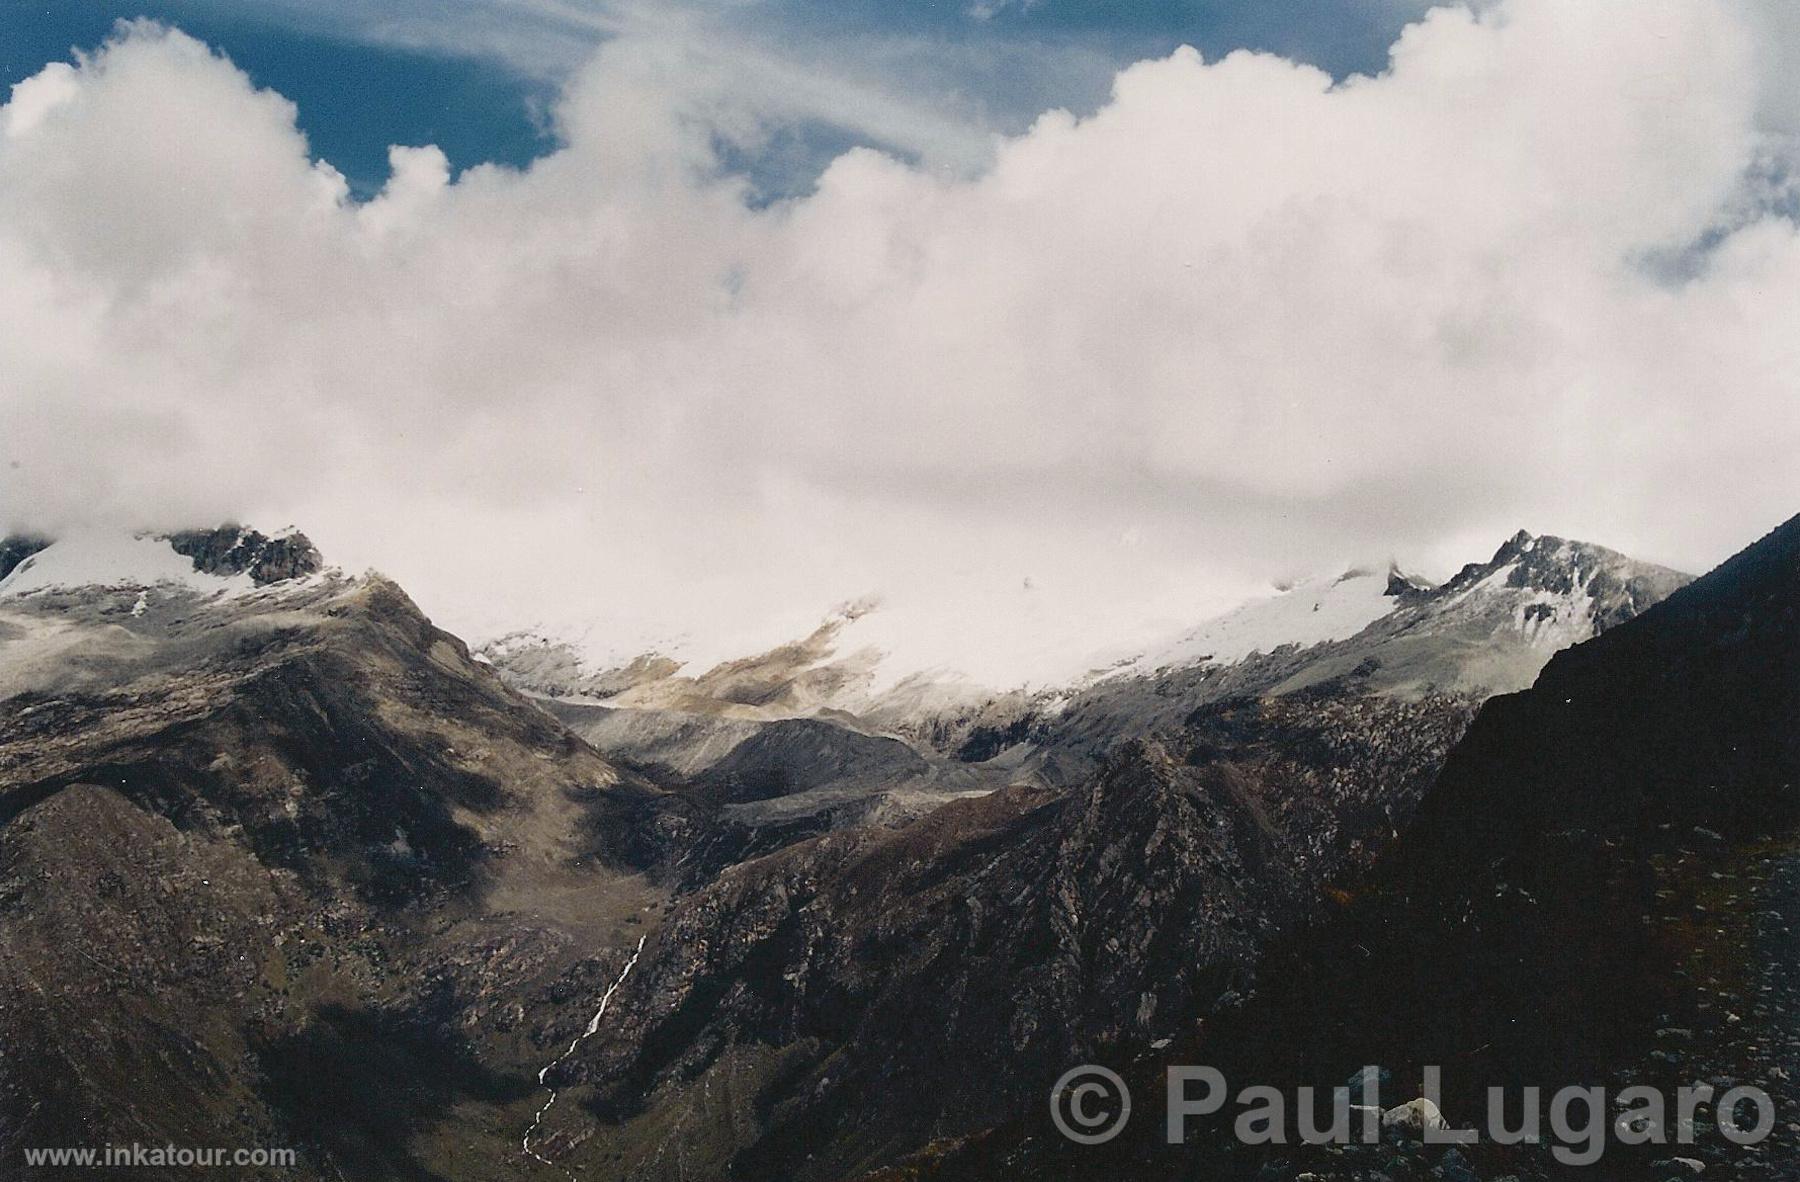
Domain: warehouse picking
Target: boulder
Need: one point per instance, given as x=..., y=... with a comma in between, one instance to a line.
x=1414, y=1118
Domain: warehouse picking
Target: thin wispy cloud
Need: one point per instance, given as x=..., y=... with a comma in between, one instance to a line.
x=750, y=70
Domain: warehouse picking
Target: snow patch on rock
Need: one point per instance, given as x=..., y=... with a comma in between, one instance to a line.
x=115, y=561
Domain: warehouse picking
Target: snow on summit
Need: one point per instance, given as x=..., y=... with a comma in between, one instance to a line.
x=229, y=559
x=1306, y=613
x=98, y=558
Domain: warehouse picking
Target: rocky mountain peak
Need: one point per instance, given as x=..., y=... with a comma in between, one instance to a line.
x=229, y=558
x=233, y=550
x=1406, y=587
x=1614, y=586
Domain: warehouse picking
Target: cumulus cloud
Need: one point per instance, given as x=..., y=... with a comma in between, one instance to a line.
x=1241, y=321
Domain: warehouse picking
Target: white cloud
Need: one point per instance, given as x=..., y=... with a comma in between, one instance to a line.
x=37, y=96
x=1251, y=320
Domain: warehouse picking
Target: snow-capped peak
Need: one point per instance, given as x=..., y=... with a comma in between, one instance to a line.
x=1492, y=625
x=1591, y=587
x=1549, y=591
x=228, y=560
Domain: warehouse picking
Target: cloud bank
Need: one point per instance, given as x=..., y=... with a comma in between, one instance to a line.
x=1240, y=322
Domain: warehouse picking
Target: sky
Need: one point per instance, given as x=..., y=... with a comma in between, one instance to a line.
x=1053, y=325
x=477, y=78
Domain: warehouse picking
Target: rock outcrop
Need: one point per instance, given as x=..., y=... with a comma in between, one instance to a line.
x=16, y=548
x=232, y=550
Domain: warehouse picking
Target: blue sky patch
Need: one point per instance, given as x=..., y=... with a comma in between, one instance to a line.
x=367, y=76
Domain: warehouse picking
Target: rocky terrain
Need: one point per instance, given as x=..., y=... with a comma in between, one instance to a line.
x=284, y=867
x=364, y=897
x=1598, y=890
x=955, y=965
x=1487, y=630
x=232, y=549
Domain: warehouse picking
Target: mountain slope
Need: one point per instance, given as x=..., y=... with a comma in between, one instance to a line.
x=1597, y=891
x=281, y=865
x=862, y=992
x=1641, y=769
x=362, y=893
x=1162, y=830
x=1489, y=629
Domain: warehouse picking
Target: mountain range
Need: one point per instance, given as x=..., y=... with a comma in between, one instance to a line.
x=282, y=861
